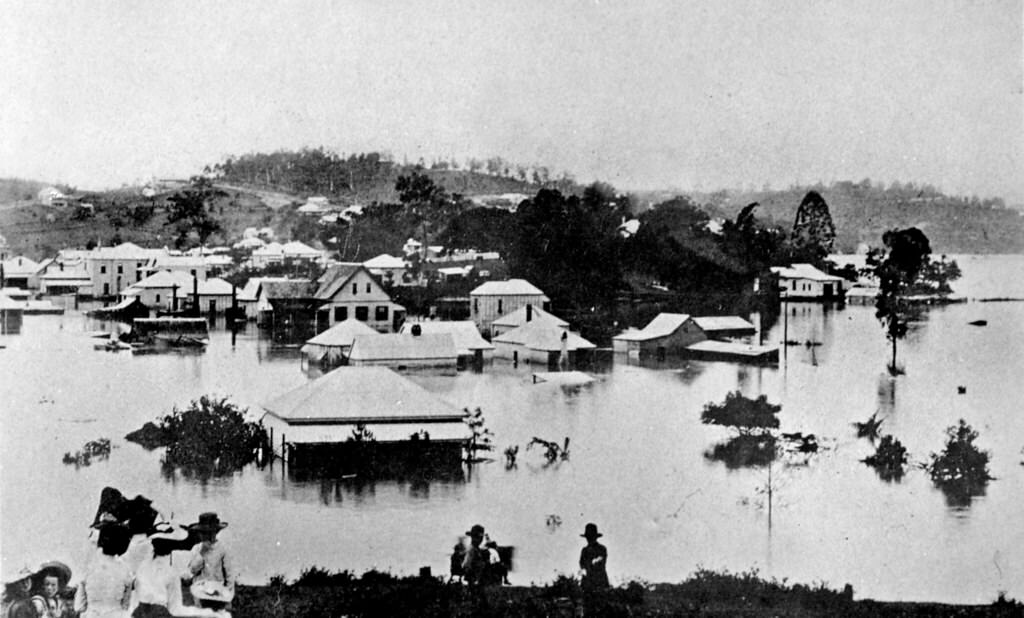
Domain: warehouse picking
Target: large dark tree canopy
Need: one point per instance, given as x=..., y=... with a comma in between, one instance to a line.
x=813, y=234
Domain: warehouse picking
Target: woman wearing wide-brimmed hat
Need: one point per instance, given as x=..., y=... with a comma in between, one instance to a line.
x=17, y=601
x=158, y=581
x=50, y=580
x=106, y=589
x=211, y=566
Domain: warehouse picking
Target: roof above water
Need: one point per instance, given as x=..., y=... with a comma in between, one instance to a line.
x=545, y=337
x=464, y=333
x=397, y=347
x=343, y=333
x=518, y=318
x=723, y=322
x=511, y=287
x=803, y=271
x=663, y=325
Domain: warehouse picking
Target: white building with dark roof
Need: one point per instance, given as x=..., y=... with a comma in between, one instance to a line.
x=805, y=282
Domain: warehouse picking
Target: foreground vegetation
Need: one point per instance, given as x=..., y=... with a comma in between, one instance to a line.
x=322, y=593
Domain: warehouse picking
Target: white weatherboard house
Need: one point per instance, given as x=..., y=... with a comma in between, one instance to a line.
x=805, y=282
x=494, y=299
x=115, y=268
x=332, y=346
x=350, y=291
x=321, y=416
x=675, y=333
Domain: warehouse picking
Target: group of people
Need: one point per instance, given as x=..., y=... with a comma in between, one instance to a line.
x=485, y=563
x=132, y=570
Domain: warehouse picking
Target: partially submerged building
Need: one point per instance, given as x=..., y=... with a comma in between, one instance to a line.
x=406, y=352
x=469, y=345
x=349, y=290
x=494, y=299
x=541, y=341
x=677, y=334
x=332, y=346
x=805, y=282
x=359, y=416
x=523, y=315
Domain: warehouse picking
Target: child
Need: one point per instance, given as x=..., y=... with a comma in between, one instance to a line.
x=52, y=578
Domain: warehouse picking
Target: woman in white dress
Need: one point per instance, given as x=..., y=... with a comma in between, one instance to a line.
x=158, y=581
x=105, y=590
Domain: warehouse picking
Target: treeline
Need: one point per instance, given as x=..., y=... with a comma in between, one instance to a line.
x=864, y=210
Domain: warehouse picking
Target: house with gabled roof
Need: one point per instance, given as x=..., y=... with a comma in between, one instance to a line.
x=360, y=416
x=349, y=290
x=494, y=299
x=523, y=315
x=284, y=303
x=19, y=271
x=332, y=346
x=667, y=334
x=469, y=345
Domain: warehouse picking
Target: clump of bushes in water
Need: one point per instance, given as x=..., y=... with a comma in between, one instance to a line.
x=209, y=436
x=100, y=449
x=752, y=419
x=889, y=458
x=961, y=469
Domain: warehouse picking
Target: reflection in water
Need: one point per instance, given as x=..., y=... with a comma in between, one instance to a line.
x=886, y=397
x=744, y=451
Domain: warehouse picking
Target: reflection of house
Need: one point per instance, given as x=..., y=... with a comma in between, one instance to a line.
x=494, y=299
x=469, y=345
x=365, y=413
x=332, y=346
x=523, y=315
x=541, y=341
x=805, y=282
x=406, y=352
x=18, y=272
x=348, y=290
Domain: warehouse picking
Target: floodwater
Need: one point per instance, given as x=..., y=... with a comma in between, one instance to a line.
x=637, y=466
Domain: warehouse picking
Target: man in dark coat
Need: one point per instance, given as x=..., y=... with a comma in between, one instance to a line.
x=593, y=561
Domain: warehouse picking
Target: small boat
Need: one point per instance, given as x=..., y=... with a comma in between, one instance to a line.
x=979, y=323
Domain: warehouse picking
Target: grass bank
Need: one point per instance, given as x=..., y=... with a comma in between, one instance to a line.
x=320, y=593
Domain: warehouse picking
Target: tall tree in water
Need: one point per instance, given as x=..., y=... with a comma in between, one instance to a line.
x=897, y=268
x=813, y=231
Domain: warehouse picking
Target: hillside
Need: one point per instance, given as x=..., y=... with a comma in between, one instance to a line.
x=862, y=212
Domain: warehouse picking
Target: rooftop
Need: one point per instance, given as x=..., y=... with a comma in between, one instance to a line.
x=511, y=287
x=663, y=325
x=398, y=347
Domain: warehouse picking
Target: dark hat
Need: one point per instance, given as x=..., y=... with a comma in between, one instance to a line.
x=208, y=521
x=476, y=530
x=590, y=532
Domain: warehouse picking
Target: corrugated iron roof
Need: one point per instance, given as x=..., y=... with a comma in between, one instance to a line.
x=343, y=333
x=803, y=271
x=518, y=318
x=544, y=336
x=663, y=325
x=361, y=393
x=397, y=347
x=334, y=278
x=511, y=287
x=465, y=334
x=723, y=322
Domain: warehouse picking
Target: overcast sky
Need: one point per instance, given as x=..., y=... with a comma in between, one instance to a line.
x=639, y=94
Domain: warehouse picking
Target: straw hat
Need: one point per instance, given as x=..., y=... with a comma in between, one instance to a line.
x=13, y=575
x=61, y=570
x=208, y=521
x=590, y=532
x=167, y=532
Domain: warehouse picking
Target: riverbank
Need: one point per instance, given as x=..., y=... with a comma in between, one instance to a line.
x=320, y=593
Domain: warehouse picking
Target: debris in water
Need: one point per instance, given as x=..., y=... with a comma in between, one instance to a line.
x=979, y=323
x=869, y=428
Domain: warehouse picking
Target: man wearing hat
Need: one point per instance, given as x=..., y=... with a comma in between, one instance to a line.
x=210, y=561
x=158, y=581
x=474, y=565
x=593, y=561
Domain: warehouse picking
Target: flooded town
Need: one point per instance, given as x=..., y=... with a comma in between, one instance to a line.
x=300, y=374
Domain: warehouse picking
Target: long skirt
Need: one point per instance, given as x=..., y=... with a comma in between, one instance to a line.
x=148, y=610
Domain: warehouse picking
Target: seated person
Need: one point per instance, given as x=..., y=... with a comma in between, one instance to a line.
x=51, y=580
x=210, y=562
x=158, y=582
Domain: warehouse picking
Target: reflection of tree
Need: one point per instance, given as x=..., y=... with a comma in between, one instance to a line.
x=744, y=451
x=888, y=459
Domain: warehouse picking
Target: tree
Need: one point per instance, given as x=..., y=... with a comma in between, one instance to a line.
x=936, y=275
x=813, y=233
x=897, y=267
x=961, y=469
x=188, y=214
x=747, y=416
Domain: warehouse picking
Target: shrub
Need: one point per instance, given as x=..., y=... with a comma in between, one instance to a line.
x=889, y=458
x=961, y=469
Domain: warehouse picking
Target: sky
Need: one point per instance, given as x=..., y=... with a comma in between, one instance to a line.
x=672, y=94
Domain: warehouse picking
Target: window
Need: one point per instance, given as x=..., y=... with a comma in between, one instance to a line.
x=120, y=269
x=355, y=289
x=157, y=298
x=103, y=270
x=476, y=306
x=106, y=289
x=381, y=314
x=499, y=307
x=193, y=272
x=367, y=288
x=340, y=314
x=362, y=313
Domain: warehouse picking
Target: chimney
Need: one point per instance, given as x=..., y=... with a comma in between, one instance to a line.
x=529, y=312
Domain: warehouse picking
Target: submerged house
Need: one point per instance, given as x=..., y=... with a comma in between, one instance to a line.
x=541, y=341
x=494, y=299
x=805, y=282
x=675, y=334
x=405, y=352
x=11, y=312
x=523, y=315
x=667, y=334
x=469, y=345
x=332, y=346
x=361, y=416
